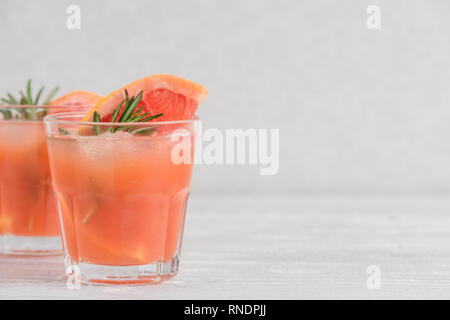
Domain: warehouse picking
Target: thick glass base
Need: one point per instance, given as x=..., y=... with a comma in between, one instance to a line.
x=152, y=273
x=33, y=246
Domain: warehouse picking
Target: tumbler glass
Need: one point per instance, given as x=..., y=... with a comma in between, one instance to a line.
x=122, y=191
x=29, y=222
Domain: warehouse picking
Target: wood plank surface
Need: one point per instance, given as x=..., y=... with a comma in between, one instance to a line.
x=281, y=247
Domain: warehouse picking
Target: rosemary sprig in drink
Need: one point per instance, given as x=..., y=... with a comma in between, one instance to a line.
x=26, y=99
x=128, y=113
x=63, y=132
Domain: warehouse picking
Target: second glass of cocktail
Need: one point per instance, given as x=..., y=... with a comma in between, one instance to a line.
x=28, y=216
x=29, y=223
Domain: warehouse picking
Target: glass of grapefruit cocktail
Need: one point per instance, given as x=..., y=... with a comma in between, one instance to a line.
x=28, y=215
x=122, y=198
x=1, y=221
x=29, y=221
x=121, y=174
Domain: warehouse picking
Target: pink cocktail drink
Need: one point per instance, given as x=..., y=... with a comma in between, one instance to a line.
x=28, y=216
x=122, y=197
x=29, y=223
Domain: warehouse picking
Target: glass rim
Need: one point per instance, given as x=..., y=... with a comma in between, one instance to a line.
x=57, y=119
x=32, y=106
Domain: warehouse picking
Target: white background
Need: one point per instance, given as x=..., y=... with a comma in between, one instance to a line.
x=359, y=111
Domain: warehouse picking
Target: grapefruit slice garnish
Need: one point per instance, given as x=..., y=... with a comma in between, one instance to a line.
x=77, y=99
x=175, y=97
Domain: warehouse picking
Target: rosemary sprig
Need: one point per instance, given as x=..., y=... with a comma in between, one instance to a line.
x=129, y=114
x=63, y=132
x=26, y=99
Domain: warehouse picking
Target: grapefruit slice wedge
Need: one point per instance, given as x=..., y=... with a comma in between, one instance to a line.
x=175, y=97
x=77, y=99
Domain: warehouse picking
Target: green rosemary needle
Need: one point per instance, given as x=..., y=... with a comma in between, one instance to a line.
x=96, y=119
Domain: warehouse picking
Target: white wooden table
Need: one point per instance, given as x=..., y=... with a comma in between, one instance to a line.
x=281, y=248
